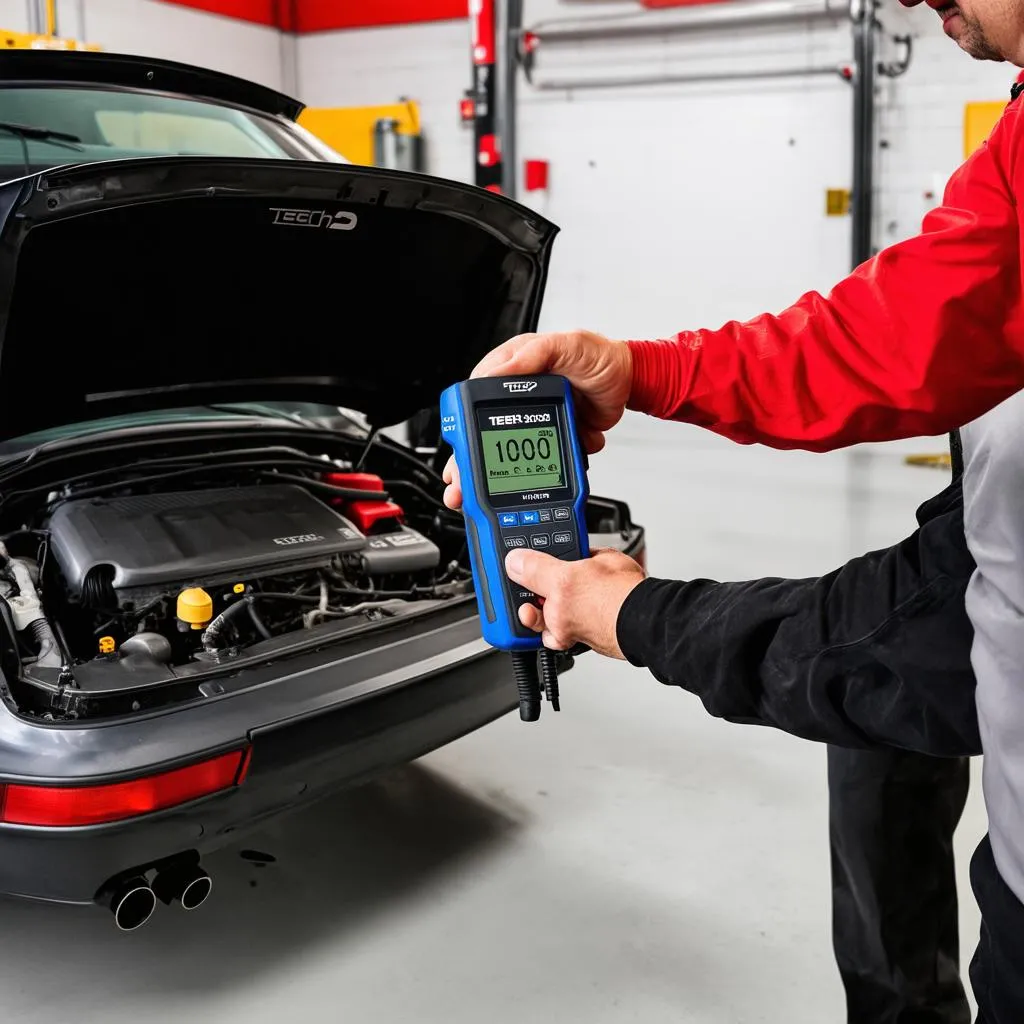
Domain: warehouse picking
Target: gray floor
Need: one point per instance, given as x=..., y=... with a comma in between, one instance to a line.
x=630, y=860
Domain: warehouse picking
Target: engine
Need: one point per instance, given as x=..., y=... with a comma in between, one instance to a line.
x=122, y=583
x=130, y=549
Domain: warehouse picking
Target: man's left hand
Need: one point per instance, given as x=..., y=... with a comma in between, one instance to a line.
x=581, y=600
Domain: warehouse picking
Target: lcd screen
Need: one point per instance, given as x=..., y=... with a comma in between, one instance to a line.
x=522, y=459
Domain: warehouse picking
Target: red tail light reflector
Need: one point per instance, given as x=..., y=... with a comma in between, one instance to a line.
x=64, y=806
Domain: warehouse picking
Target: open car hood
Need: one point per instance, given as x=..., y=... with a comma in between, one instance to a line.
x=145, y=284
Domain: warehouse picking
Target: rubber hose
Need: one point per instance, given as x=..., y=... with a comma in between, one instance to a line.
x=256, y=620
x=524, y=667
x=49, y=652
x=214, y=631
x=549, y=677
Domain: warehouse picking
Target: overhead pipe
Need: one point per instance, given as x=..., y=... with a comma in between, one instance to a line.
x=865, y=67
x=738, y=14
x=690, y=78
x=510, y=26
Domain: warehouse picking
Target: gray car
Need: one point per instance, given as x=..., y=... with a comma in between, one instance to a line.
x=224, y=591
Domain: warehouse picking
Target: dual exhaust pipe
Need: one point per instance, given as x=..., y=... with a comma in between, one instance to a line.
x=132, y=901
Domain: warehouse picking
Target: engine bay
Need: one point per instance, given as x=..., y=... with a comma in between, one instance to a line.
x=125, y=577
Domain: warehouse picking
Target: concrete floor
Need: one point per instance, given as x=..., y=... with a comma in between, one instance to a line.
x=630, y=860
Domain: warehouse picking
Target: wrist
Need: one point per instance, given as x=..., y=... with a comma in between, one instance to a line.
x=644, y=366
x=631, y=623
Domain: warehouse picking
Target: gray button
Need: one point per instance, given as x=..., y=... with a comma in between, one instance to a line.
x=562, y=513
x=562, y=538
x=545, y=515
x=540, y=540
x=515, y=542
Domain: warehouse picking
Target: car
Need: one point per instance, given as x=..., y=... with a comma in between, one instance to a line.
x=226, y=587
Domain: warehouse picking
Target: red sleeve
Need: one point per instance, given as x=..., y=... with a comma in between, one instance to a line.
x=921, y=339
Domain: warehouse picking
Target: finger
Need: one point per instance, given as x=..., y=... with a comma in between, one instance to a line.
x=592, y=440
x=554, y=643
x=450, y=475
x=533, y=569
x=531, y=617
x=453, y=497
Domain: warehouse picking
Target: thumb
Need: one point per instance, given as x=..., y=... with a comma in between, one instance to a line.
x=493, y=364
x=535, y=570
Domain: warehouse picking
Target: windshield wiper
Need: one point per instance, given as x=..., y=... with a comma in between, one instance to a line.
x=39, y=133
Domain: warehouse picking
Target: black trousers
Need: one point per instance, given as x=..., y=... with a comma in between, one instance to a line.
x=997, y=970
x=892, y=815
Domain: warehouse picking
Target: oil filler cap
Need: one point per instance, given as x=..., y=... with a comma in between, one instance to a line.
x=195, y=608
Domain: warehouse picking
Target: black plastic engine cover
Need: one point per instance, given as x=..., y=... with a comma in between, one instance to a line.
x=209, y=536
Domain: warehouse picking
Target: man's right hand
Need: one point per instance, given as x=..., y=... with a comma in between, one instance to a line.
x=599, y=370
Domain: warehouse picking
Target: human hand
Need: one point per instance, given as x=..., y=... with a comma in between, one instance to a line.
x=581, y=600
x=599, y=370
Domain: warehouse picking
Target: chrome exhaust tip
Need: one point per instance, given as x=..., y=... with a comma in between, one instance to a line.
x=189, y=885
x=196, y=893
x=132, y=903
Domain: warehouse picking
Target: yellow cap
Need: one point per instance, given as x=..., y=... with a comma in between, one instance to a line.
x=239, y=588
x=195, y=606
x=107, y=645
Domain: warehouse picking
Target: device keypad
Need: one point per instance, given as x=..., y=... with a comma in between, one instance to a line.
x=543, y=529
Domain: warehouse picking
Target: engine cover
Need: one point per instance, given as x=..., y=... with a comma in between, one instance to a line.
x=211, y=536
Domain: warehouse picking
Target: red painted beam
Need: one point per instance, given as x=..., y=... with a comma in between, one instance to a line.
x=327, y=15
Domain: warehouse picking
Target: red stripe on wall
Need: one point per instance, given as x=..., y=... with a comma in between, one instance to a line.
x=325, y=15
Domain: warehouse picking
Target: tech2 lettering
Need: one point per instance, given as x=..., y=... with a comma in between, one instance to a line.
x=298, y=218
x=519, y=387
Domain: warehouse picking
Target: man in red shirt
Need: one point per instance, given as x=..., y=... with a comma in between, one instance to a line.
x=925, y=337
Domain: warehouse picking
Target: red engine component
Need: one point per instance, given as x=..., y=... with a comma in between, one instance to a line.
x=367, y=515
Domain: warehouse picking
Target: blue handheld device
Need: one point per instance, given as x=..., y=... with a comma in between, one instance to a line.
x=524, y=485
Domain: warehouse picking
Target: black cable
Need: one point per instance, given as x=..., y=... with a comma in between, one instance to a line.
x=524, y=667
x=374, y=431
x=278, y=456
x=348, y=493
x=397, y=485
x=549, y=677
x=257, y=621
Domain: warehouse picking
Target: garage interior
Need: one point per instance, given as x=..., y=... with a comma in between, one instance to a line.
x=631, y=859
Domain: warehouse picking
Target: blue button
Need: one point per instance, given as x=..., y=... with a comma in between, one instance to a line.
x=529, y=518
x=509, y=519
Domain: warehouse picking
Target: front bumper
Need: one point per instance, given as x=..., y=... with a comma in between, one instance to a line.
x=333, y=718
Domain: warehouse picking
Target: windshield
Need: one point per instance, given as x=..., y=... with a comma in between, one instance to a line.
x=117, y=124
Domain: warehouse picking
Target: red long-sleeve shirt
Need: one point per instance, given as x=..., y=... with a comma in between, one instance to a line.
x=921, y=339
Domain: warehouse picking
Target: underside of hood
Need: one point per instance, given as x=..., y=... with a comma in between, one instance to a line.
x=141, y=285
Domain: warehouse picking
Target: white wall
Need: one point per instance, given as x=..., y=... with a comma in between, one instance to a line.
x=165, y=30
x=921, y=120
x=429, y=63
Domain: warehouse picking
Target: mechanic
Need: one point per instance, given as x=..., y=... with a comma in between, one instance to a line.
x=924, y=337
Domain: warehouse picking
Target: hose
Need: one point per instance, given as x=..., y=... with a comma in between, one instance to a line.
x=49, y=650
x=214, y=632
x=27, y=613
